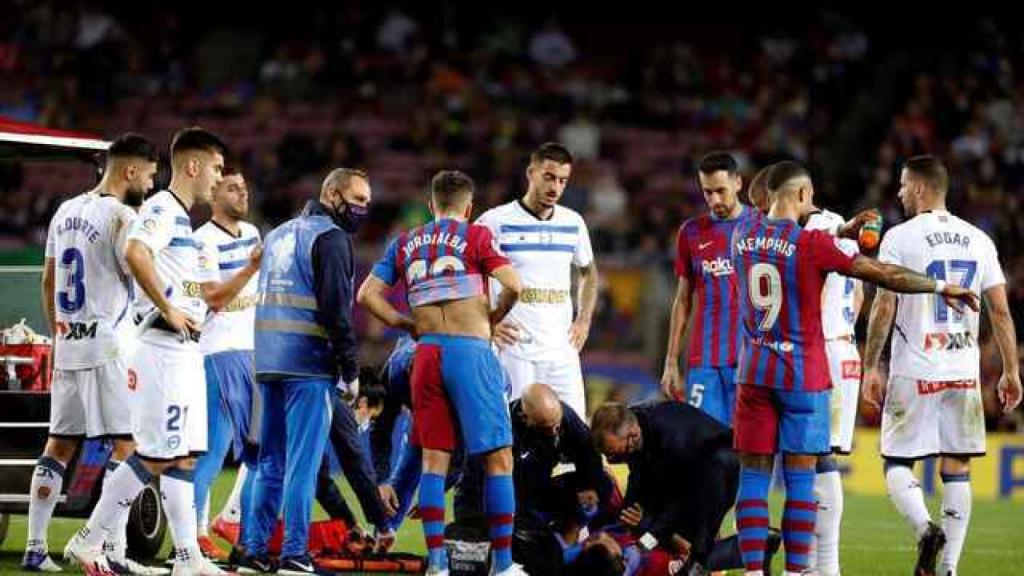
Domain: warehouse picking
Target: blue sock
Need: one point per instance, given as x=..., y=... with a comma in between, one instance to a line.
x=500, y=507
x=798, y=518
x=432, y=515
x=752, y=516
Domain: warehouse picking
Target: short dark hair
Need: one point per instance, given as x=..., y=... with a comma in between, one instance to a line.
x=929, y=169
x=783, y=172
x=551, y=151
x=718, y=160
x=609, y=419
x=132, y=145
x=758, y=186
x=450, y=188
x=197, y=139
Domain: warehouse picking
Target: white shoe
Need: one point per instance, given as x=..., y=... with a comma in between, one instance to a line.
x=437, y=573
x=91, y=560
x=38, y=561
x=198, y=566
x=513, y=570
x=129, y=567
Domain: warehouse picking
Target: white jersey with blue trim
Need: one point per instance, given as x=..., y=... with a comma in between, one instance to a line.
x=230, y=328
x=837, y=317
x=544, y=253
x=164, y=227
x=92, y=287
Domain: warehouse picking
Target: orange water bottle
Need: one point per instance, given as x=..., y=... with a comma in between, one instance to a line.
x=870, y=234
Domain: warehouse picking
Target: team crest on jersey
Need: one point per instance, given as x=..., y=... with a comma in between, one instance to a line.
x=173, y=442
x=148, y=224
x=283, y=254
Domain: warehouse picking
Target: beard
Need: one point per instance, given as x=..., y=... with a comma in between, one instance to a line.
x=134, y=197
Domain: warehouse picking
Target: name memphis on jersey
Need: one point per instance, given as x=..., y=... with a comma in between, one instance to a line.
x=780, y=246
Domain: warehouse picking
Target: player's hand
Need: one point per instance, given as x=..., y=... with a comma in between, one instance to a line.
x=874, y=388
x=255, y=258
x=579, y=332
x=851, y=228
x=632, y=516
x=181, y=322
x=383, y=540
x=670, y=380
x=956, y=296
x=505, y=334
x=1009, y=392
x=389, y=498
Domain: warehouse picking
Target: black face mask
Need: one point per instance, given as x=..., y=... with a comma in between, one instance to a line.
x=350, y=216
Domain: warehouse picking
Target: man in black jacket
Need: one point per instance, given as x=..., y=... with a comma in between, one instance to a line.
x=559, y=479
x=683, y=476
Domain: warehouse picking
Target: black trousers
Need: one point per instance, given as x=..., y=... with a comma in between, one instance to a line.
x=703, y=499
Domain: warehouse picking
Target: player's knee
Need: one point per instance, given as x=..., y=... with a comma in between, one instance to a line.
x=891, y=463
x=801, y=461
x=61, y=449
x=827, y=464
x=760, y=462
x=122, y=450
x=955, y=465
x=498, y=462
x=435, y=461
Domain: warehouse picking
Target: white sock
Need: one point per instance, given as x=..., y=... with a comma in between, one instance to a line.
x=956, y=515
x=179, y=496
x=47, y=481
x=828, y=488
x=906, y=494
x=754, y=573
x=232, y=511
x=116, y=499
x=116, y=545
x=204, y=518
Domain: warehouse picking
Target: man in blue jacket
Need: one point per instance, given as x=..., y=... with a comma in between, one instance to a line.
x=305, y=342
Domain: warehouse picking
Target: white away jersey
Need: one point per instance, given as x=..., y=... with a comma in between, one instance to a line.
x=164, y=227
x=543, y=252
x=837, y=318
x=232, y=327
x=931, y=341
x=92, y=287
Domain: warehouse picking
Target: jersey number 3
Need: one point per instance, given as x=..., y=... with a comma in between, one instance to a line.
x=72, y=297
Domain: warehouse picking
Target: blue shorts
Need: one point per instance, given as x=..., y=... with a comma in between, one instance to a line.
x=232, y=373
x=458, y=385
x=789, y=421
x=713, y=390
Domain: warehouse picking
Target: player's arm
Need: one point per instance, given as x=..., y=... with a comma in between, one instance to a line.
x=143, y=268
x=580, y=329
x=904, y=280
x=677, y=327
x=49, y=270
x=511, y=287
x=1009, y=387
x=218, y=294
x=883, y=309
x=372, y=295
x=858, y=299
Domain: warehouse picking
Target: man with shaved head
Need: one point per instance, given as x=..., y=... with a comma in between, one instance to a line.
x=559, y=479
x=305, y=343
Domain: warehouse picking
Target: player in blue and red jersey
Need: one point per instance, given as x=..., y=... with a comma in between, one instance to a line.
x=783, y=375
x=456, y=378
x=706, y=277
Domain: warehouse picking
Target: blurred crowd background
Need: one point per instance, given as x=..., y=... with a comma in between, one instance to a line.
x=638, y=98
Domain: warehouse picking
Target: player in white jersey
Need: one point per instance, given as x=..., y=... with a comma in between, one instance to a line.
x=233, y=246
x=539, y=340
x=166, y=371
x=841, y=300
x=932, y=405
x=86, y=297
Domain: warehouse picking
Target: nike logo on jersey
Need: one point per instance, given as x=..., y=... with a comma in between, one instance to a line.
x=704, y=245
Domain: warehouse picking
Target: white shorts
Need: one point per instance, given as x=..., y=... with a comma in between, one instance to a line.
x=92, y=402
x=844, y=367
x=169, y=408
x=923, y=418
x=563, y=375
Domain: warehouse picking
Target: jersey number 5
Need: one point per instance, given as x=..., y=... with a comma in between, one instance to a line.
x=765, y=288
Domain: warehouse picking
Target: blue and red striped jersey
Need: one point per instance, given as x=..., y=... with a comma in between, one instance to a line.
x=780, y=270
x=442, y=260
x=703, y=259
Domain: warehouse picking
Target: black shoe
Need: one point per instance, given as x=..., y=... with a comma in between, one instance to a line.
x=299, y=565
x=928, y=548
x=771, y=547
x=247, y=564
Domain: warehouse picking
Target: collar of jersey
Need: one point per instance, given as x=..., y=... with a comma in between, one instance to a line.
x=534, y=214
x=225, y=230
x=743, y=212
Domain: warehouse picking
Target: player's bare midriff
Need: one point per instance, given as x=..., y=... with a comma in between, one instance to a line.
x=464, y=317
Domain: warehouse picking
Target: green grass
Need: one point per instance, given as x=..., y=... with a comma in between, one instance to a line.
x=876, y=541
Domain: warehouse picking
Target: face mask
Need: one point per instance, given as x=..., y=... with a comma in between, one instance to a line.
x=351, y=216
